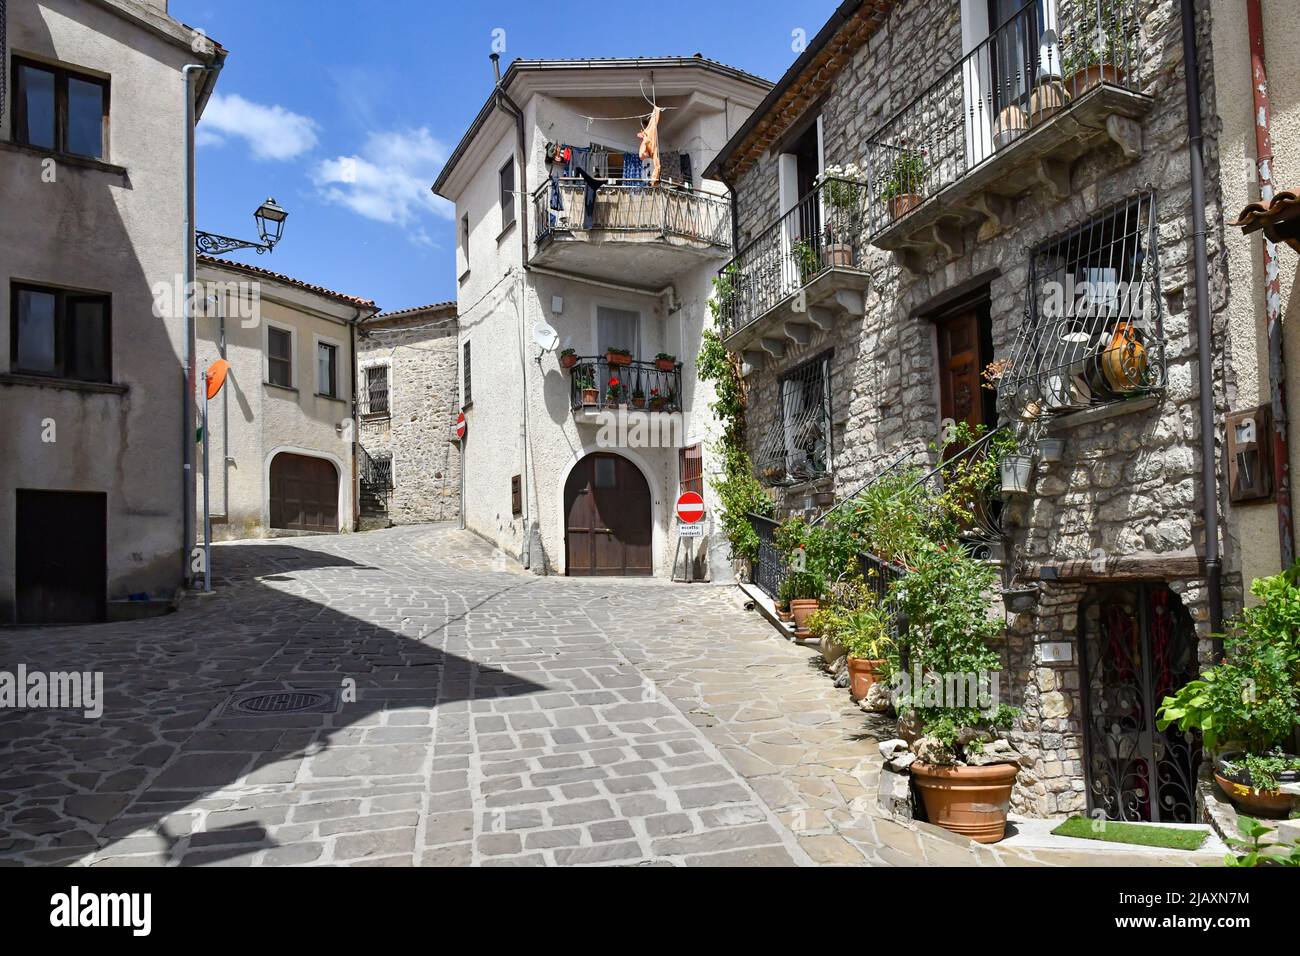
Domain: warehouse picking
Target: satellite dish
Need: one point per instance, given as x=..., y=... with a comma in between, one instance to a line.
x=545, y=337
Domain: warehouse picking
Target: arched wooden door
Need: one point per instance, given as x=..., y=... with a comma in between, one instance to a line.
x=304, y=493
x=607, y=527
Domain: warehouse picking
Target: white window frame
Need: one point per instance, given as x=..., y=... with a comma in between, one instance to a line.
x=269, y=324
x=317, y=340
x=622, y=305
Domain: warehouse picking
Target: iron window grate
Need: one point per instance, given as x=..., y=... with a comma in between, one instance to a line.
x=1092, y=332
x=797, y=447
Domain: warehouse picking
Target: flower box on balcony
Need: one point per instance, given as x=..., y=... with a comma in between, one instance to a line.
x=618, y=357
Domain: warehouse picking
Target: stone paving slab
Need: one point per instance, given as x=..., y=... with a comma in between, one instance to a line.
x=487, y=717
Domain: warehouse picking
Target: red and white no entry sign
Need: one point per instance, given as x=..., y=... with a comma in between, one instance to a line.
x=460, y=425
x=690, y=507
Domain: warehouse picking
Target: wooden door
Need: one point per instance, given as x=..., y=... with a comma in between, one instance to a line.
x=304, y=493
x=963, y=354
x=61, y=551
x=607, y=519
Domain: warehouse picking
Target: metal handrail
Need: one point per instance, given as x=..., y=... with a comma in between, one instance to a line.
x=632, y=206
x=661, y=389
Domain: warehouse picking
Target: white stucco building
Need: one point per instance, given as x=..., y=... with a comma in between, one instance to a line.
x=545, y=476
x=93, y=150
x=282, y=431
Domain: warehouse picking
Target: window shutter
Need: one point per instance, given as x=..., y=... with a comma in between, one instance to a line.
x=4, y=60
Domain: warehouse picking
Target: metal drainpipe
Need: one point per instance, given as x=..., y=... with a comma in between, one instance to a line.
x=1272, y=288
x=1209, y=478
x=356, y=420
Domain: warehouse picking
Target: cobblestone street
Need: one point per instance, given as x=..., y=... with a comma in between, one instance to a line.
x=499, y=718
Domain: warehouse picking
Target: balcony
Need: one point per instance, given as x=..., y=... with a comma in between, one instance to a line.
x=598, y=386
x=632, y=230
x=1052, y=83
x=802, y=272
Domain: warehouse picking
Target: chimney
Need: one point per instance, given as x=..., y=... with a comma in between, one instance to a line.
x=496, y=67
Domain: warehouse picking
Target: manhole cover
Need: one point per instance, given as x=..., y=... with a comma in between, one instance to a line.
x=274, y=702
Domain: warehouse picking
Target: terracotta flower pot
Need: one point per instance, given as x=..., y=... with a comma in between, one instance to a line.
x=1091, y=76
x=1011, y=124
x=972, y=801
x=665, y=365
x=1124, y=362
x=614, y=358
x=1049, y=97
x=831, y=651
x=590, y=397
x=903, y=203
x=802, y=609
x=839, y=254
x=568, y=361
x=656, y=404
x=1261, y=803
x=638, y=403
x=863, y=673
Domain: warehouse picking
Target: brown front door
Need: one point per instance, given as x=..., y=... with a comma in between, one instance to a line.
x=304, y=493
x=964, y=349
x=607, y=518
x=61, y=551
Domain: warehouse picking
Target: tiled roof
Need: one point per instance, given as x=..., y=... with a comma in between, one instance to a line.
x=1282, y=211
x=288, y=280
x=852, y=24
x=407, y=313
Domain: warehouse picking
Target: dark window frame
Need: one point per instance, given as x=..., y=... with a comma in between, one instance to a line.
x=691, y=478
x=272, y=358
x=384, y=406
x=467, y=399
x=819, y=364
x=507, y=198
x=64, y=334
x=516, y=495
x=20, y=133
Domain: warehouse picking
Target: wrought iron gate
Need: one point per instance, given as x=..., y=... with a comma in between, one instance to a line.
x=1138, y=645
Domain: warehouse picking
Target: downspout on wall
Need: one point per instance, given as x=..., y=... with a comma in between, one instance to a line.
x=1272, y=286
x=1209, y=457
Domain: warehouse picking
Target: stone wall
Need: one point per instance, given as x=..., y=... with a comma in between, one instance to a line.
x=421, y=353
x=1129, y=484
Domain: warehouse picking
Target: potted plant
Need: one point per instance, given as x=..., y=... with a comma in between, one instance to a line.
x=805, y=260
x=868, y=642
x=808, y=587
x=670, y=401
x=613, y=392
x=568, y=358
x=656, y=400
x=1248, y=705
x=586, y=384
x=665, y=362
x=904, y=182
x=638, y=398
x=965, y=768
x=1092, y=54
x=618, y=356
x=844, y=192
x=784, y=594
x=1048, y=98
x=1010, y=125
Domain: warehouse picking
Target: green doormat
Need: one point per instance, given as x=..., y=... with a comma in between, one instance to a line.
x=1110, y=831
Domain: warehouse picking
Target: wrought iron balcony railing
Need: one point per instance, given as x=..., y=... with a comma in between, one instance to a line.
x=375, y=474
x=822, y=231
x=1028, y=70
x=633, y=208
x=595, y=382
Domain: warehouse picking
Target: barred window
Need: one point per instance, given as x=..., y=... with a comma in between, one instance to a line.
x=468, y=398
x=690, y=469
x=1092, y=332
x=798, y=445
x=377, y=390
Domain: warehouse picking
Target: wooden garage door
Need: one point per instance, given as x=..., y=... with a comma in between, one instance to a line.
x=607, y=514
x=304, y=493
x=61, y=551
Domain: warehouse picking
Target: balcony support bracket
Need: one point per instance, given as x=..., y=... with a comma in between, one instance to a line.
x=799, y=333
x=910, y=259
x=751, y=362
x=773, y=347
x=851, y=301
x=996, y=210
x=1127, y=133
x=1055, y=175
x=821, y=317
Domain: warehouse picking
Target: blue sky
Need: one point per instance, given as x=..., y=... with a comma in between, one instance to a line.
x=315, y=90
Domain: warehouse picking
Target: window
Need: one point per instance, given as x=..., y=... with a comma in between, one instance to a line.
x=507, y=177
x=59, y=110
x=798, y=446
x=61, y=333
x=1092, y=333
x=468, y=397
x=327, y=381
x=516, y=495
x=377, y=390
x=279, y=357
x=464, y=238
x=690, y=470
x=605, y=473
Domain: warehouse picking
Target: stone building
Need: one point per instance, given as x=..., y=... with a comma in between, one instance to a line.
x=280, y=436
x=1006, y=154
x=571, y=244
x=408, y=397
x=94, y=144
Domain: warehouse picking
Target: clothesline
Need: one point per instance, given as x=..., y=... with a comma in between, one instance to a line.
x=615, y=119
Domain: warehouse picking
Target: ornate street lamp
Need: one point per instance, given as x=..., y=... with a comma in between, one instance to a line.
x=270, y=219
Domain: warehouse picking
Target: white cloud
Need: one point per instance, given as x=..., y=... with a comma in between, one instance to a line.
x=389, y=179
x=272, y=132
